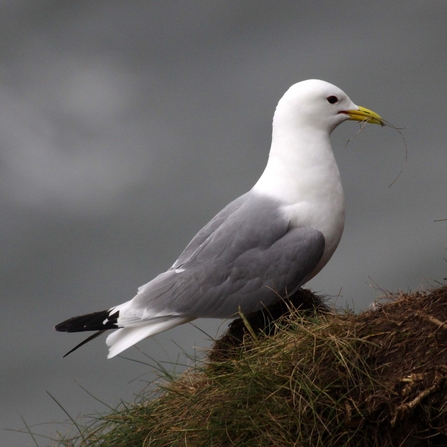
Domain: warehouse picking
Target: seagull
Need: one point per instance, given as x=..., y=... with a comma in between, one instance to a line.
x=261, y=247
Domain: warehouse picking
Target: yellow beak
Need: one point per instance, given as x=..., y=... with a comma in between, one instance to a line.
x=363, y=114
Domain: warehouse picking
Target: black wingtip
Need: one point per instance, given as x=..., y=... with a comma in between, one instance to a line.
x=97, y=321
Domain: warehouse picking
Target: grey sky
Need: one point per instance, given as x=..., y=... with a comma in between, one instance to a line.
x=125, y=126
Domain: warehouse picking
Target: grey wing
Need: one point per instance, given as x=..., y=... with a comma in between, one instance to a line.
x=249, y=260
x=208, y=229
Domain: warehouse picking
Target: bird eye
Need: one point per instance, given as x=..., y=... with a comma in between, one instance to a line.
x=332, y=99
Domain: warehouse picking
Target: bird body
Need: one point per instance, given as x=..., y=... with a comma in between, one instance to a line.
x=262, y=246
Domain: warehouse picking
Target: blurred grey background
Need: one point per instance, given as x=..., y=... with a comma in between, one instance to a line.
x=125, y=126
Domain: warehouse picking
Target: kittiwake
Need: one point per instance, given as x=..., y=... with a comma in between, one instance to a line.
x=262, y=246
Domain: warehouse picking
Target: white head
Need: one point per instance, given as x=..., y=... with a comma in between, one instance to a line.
x=318, y=105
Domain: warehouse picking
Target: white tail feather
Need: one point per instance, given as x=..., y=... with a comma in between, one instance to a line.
x=126, y=337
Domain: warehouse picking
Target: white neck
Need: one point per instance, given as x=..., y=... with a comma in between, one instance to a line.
x=301, y=167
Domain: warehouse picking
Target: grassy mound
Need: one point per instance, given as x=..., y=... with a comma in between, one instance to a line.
x=308, y=378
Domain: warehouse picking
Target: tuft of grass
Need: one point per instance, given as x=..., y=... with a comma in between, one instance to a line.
x=305, y=377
